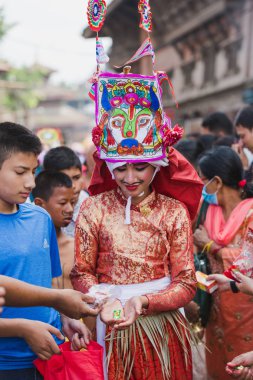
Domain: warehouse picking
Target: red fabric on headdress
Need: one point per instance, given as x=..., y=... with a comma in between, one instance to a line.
x=179, y=180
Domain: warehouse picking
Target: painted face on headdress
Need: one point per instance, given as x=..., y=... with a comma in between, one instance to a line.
x=130, y=122
x=129, y=117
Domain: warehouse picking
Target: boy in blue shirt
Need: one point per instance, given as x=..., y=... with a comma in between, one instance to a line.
x=29, y=252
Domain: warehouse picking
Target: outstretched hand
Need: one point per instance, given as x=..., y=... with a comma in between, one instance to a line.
x=128, y=315
x=245, y=285
x=240, y=367
x=132, y=310
x=75, y=304
x=223, y=282
x=108, y=308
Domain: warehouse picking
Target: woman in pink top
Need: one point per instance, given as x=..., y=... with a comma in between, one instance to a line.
x=229, y=331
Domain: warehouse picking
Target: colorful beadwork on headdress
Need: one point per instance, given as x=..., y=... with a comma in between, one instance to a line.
x=146, y=15
x=145, y=49
x=131, y=124
x=101, y=56
x=96, y=12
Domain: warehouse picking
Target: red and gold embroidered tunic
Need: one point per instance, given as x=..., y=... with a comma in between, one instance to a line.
x=157, y=243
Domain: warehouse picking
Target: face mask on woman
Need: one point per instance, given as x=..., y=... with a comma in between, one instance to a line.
x=210, y=198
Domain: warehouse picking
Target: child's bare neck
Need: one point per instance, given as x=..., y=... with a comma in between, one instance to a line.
x=62, y=238
x=7, y=208
x=59, y=232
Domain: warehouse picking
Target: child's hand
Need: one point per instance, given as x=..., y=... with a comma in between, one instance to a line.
x=107, y=313
x=38, y=335
x=76, y=332
x=74, y=304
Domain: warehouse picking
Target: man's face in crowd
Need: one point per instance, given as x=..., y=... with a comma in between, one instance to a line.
x=245, y=136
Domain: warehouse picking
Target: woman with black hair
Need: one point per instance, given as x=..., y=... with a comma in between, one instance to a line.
x=229, y=330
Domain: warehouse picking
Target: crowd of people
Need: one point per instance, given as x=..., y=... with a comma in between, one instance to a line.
x=222, y=155
x=135, y=229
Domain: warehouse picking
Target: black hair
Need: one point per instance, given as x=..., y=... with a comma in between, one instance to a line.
x=46, y=182
x=245, y=118
x=206, y=142
x=61, y=158
x=218, y=122
x=190, y=149
x=15, y=138
x=225, y=163
x=225, y=141
x=192, y=135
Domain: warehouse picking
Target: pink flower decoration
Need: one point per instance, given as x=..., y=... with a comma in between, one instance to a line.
x=131, y=98
x=144, y=102
x=242, y=183
x=96, y=135
x=171, y=136
x=116, y=101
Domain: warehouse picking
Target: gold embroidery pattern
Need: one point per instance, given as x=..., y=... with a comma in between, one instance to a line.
x=151, y=247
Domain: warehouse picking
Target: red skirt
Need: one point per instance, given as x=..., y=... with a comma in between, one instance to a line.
x=145, y=362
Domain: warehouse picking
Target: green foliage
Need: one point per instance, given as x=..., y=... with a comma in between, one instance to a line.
x=23, y=97
x=4, y=27
x=27, y=75
x=19, y=94
x=16, y=100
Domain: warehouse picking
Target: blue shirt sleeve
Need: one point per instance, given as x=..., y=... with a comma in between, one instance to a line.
x=54, y=254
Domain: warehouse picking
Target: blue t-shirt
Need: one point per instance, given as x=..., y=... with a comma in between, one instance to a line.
x=28, y=252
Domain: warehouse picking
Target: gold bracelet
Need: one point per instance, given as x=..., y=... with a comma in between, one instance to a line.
x=207, y=247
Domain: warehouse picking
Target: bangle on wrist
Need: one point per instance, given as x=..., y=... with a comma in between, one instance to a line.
x=207, y=247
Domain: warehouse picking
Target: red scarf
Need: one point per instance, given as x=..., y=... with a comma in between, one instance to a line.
x=221, y=231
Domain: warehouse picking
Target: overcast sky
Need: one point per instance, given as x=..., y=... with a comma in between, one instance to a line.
x=49, y=32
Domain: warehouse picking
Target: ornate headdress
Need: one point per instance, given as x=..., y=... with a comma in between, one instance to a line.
x=130, y=122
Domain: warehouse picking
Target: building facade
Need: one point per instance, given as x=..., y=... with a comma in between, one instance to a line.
x=206, y=47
